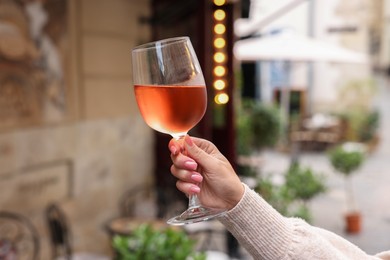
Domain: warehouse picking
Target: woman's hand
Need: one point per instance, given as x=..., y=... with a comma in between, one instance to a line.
x=203, y=170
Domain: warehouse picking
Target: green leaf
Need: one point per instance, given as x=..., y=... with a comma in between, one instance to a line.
x=345, y=162
x=146, y=243
x=302, y=183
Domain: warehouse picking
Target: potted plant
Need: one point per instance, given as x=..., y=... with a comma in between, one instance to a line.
x=346, y=159
x=148, y=243
x=361, y=117
x=258, y=127
x=300, y=186
x=303, y=184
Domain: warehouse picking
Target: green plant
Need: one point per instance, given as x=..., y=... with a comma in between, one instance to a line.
x=346, y=160
x=146, y=243
x=258, y=126
x=244, y=133
x=362, y=125
x=369, y=126
x=302, y=183
x=274, y=195
x=292, y=198
x=357, y=98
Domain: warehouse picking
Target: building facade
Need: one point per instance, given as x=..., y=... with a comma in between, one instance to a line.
x=70, y=128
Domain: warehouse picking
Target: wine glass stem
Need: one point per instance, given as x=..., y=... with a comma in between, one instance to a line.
x=193, y=200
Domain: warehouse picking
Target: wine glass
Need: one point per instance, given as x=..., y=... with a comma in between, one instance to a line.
x=171, y=94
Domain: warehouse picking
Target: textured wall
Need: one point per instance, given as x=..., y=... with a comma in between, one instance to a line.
x=86, y=163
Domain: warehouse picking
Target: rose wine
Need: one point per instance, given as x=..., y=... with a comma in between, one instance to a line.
x=171, y=109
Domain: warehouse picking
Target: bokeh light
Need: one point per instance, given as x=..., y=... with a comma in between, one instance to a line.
x=219, y=57
x=219, y=84
x=221, y=98
x=219, y=43
x=219, y=15
x=219, y=71
x=219, y=2
x=219, y=28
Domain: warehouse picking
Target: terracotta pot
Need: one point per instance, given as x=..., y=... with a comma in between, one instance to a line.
x=353, y=222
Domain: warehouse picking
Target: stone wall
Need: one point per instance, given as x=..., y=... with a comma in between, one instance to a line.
x=87, y=162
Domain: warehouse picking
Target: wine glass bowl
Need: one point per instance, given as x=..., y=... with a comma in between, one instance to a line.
x=172, y=98
x=172, y=109
x=169, y=85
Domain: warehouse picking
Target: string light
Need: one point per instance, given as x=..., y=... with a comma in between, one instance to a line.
x=219, y=84
x=219, y=57
x=219, y=28
x=221, y=98
x=219, y=15
x=220, y=54
x=219, y=71
x=219, y=43
x=219, y=2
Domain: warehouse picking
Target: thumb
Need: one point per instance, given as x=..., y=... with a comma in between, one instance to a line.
x=195, y=152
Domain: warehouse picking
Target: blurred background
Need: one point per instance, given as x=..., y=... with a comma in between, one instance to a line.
x=297, y=101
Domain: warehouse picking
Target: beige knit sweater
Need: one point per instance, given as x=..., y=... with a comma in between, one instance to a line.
x=266, y=234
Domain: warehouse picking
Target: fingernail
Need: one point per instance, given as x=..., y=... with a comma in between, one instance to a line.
x=195, y=189
x=173, y=149
x=191, y=164
x=196, y=177
x=189, y=140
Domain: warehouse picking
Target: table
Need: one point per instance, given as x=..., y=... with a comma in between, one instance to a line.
x=126, y=225
x=321, y=121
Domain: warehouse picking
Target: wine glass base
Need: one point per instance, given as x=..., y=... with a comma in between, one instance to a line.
x=194, y=215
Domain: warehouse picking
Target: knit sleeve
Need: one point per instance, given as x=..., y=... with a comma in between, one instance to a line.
x=258, y=227
x=266, y=234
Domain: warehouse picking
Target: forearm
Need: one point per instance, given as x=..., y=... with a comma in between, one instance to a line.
x=266, y=234
x=258, y=227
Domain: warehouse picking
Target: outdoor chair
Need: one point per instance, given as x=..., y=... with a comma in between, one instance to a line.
x=139, y=202
x=138, y=205
x=60, y=235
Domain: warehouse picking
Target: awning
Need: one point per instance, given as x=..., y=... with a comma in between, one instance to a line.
x=292, y=47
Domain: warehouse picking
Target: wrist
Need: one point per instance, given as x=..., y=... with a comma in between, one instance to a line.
x=238, y=194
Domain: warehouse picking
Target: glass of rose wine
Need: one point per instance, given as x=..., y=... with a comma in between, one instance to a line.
x=171, y=94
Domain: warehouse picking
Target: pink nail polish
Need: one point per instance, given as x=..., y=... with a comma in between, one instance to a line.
x=173, y=149
x=191, y=165
x=196, y=177
x=195, y=189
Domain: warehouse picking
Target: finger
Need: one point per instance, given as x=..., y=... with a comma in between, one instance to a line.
x=198, y=154
x=184, y=162
x=204, y=144
x=175, y=146
x=187, y=188
x=187, y=176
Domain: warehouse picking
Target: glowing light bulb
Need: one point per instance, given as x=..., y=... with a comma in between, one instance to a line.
x=219, y=2
x=219, y=15
x=219, y=71
x=219, y=43
x=219, y=84
x=219, y=57
x=221, y=98
x=219, y=28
